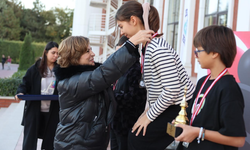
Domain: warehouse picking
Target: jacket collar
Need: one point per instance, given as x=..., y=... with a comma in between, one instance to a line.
x=37, y=63
x=63, y=73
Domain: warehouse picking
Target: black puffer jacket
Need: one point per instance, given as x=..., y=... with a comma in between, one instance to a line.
x=87, y=101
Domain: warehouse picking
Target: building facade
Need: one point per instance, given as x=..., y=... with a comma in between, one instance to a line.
x=180, y=21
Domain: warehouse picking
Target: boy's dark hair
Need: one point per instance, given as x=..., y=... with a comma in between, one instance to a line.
x=43, y=63
x=122, y=40
x=134, y=8
x=218, y=39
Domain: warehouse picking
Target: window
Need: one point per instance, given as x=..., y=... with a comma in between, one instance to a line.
x=173, y=21
x=216, y=12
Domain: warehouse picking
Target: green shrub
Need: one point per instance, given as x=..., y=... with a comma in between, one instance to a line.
x=38, y=49
x=8, y=86
x=26, y=54
x=19, y=74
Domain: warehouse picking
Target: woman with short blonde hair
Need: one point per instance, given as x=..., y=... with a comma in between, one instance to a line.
x=86, y=99
x=71, y=54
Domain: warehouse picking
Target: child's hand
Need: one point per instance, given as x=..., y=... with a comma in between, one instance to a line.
x=141, y=123
x=188, y=134
x=144, y=113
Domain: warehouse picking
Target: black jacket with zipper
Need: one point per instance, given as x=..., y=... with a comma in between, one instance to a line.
x=87, y=104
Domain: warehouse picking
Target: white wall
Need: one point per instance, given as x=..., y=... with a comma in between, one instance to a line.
x=200, y=72
x=158, y=4
x=165, y=20
x=243, y=18
x=80, y=19
x=186, y=33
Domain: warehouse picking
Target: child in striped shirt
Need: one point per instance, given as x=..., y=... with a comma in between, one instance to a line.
x=163, y=74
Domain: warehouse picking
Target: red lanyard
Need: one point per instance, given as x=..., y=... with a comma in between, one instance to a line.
x=142, y=56
x=196, y=110
x=114, y=85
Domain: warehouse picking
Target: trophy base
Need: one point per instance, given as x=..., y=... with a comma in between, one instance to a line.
x=173, y=130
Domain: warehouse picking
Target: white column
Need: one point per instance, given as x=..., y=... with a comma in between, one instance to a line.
x=165, y=20
x=117, y=31
x=230, y=14
x=158, y=4
x=243, y=18
x=201, y=17
x=105, y=45
x=179, y=38
x=80, y=19
x=119, y=3
x=200, y=72
x=187, y=35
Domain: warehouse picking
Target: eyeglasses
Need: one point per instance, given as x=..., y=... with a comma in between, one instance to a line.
x=197, y=51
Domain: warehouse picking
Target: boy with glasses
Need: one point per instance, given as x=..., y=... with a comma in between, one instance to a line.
x=216, y=110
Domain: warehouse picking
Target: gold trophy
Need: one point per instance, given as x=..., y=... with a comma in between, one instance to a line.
x=180, y=119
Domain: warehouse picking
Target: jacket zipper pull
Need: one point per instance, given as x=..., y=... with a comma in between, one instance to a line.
x=95, y=118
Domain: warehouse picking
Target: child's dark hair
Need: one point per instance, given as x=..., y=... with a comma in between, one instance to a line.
x=43, y=64
x=122, y=40
x=218, y=39
x=134, y=8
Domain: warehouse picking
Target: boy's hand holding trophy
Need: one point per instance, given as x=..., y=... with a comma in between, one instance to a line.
x=180, y=119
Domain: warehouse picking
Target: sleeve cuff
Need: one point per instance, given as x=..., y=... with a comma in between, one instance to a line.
x=132, y=49
x=149, y=118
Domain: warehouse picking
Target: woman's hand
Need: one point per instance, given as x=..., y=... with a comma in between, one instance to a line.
x=188, y=134
x=142, y=36
x=142, y=122
x=16, y=98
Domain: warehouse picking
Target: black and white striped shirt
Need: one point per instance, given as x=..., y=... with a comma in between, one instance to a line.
x=165, y=78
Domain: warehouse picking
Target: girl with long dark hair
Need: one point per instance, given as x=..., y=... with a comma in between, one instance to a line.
x=40, y=117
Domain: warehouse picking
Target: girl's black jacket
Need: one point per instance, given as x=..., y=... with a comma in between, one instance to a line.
x=31, y=85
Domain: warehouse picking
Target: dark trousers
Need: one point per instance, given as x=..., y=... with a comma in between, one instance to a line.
x=2, y=65
x=118, y=141
x=44, y=117
x=30, y=136
x=156, y=137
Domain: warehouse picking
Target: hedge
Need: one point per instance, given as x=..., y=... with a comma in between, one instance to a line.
x=13, y=48
x=8, y=86
x=18, y=74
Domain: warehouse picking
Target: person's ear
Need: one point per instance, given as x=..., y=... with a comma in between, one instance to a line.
x=133, y=20
x=215, y=55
